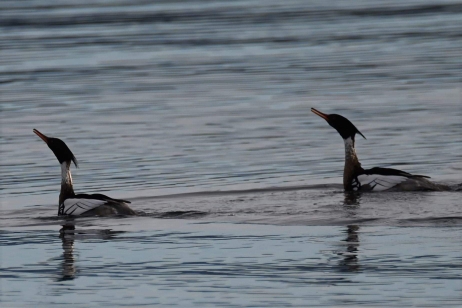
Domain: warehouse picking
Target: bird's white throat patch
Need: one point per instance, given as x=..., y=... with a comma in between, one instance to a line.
x=66, y=176
x=350, y=151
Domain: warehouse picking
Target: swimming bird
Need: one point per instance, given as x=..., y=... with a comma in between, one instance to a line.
x=80, y=204
x=355, y=178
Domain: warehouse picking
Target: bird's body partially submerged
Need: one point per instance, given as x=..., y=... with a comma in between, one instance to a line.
x=80, y=204
x=355, y=178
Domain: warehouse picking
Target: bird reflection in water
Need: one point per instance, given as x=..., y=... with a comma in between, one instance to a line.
x=350, y=261
x=67, y=234
x=352, y=198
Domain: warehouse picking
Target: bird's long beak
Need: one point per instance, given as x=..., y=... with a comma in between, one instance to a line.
x=42, y=136
x=319, y=113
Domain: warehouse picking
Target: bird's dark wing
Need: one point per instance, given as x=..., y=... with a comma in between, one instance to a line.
x=99, y=197
x=390, y=171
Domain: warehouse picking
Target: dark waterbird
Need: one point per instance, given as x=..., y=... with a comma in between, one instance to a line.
x=355, y=178
x=80, y=204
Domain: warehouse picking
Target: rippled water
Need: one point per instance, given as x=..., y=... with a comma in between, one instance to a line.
x=198, y=264
x=199, y=113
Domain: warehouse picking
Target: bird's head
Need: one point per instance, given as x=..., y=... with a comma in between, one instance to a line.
x=61, y=150
x=345, y=128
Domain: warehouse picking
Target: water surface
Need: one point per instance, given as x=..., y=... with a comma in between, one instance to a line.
x=199, y=113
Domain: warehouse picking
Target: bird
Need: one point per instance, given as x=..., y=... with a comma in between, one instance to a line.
x=71, y=204
x=355, y=178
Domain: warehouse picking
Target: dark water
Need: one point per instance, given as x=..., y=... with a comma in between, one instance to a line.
x=199, y=113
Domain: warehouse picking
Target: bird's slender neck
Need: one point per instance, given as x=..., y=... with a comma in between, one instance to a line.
x=352, y=164
x=67, y=190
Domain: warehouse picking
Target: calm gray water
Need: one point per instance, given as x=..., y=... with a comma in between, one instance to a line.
x=199, y=113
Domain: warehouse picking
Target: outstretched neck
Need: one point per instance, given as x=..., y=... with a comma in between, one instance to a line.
x=352, y=164
x=67, y=190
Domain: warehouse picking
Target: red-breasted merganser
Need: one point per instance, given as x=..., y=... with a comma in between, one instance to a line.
x=81, y=204
x=376, y=179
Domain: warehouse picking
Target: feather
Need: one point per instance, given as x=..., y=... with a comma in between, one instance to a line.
x=378, y=182
x=77, y=206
